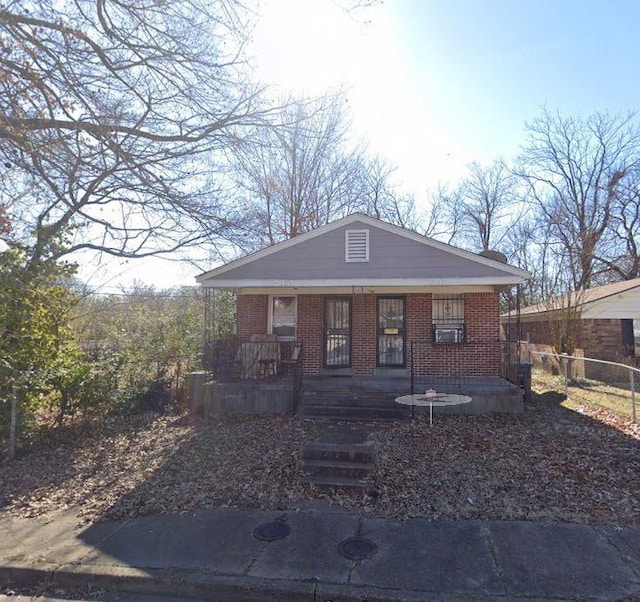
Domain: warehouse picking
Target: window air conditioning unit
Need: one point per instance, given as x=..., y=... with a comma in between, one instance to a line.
x=448, y=335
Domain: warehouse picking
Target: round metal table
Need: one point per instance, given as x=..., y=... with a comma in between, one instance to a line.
x=440, y=399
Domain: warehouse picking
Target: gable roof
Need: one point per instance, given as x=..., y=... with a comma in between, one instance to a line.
x=398, y=257
x=585, y=299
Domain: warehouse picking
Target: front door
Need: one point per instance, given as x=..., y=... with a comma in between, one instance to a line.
x=391, y=332
x=337, y=332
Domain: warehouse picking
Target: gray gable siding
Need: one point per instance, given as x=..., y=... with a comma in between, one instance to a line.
x=390, y=256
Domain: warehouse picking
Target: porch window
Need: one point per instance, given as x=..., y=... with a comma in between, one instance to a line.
x=283, y=317
x=448, y=318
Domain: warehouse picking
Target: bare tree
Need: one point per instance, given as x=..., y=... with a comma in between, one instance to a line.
x=298, y=173
x=113, y=118
x=527, y=247
x=440, y=221
x=619, y=254
x=488, y=194
x=381, y=197
x=481, y=208
x=574, y=169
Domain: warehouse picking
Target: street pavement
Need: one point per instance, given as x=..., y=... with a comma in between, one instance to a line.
x=323, y=554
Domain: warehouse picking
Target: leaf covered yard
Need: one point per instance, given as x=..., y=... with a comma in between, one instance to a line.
x=549, y=464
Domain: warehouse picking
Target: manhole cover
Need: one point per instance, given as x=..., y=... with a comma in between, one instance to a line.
x=272, y=531
x=357, y=548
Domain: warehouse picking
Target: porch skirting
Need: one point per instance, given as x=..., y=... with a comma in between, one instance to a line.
x=489, y=395
x=248, y=398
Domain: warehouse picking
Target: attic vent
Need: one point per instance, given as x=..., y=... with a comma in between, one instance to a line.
x=356, y=245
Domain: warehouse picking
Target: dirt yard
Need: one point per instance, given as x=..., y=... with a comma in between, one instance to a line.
x=551, y=463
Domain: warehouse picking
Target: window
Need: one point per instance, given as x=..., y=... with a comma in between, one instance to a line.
x=448, y=318
x=630, y=337
x=283, y=317
x=356, y=246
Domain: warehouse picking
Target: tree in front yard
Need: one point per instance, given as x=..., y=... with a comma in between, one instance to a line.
x=39, y=362
x=113, y=120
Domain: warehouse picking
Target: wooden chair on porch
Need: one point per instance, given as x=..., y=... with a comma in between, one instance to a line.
x=268, y=355
x=289, y=364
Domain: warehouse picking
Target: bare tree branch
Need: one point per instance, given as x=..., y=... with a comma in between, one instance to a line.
x=114, y=119
x=574, y=169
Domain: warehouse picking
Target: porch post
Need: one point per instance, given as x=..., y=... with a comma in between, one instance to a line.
x=209, y=325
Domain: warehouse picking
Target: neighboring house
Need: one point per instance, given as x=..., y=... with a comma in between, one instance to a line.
x=607, y=323
x=359, y=291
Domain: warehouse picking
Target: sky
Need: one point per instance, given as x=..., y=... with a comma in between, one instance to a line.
x=435, y=84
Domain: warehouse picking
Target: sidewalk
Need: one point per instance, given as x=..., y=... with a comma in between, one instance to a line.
x=214, y=555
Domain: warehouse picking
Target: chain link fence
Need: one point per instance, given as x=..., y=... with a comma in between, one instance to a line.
x=609, y=385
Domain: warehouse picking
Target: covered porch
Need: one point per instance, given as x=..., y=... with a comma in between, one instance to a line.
x=238, y=383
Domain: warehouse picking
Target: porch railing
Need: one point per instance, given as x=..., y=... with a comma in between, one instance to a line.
x=297, y=378
x=234, y=359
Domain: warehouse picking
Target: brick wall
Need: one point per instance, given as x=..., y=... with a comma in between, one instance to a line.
x=602, y=339
x=253, y=315
x=364, y=351
x=419, y=318
x=597, y=339
x=538, y=333
x=310, y=330
x=479, y=356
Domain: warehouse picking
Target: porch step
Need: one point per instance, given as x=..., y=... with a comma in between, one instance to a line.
x=360, y=453
x=355, y=413
x=366, y=406
x=372, y=399
x=335, y=482
x=333, y=468
x=337, y=465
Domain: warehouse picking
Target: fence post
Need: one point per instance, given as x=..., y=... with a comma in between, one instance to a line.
x=412, y=369
x=13, y=427
x=565, y=363
x=633, y=394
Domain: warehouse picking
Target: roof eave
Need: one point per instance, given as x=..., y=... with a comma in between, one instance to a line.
x=500, y=281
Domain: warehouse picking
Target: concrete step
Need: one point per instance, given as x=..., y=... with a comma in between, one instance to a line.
x=340, y=458
x=352, y=419
x=355, y=413
x=353, y=406
x=349, y=400
x=334, y=468
x=336, y=482
x=360, y=453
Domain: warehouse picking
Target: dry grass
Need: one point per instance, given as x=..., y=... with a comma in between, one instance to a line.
x=585, y=392
x=552, y=463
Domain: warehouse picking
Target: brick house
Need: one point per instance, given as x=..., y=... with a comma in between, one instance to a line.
x=607, y=324
x=360, y=294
